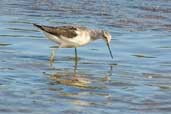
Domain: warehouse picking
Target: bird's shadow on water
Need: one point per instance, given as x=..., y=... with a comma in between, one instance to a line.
x=80, y=78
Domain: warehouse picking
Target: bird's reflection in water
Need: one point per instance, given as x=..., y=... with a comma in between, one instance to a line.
x=74, y=78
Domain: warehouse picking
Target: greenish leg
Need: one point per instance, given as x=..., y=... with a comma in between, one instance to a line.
x=76, y=56
x=76, y=61
x=52, y=56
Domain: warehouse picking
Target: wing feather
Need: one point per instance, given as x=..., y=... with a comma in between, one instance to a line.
x=64, y=31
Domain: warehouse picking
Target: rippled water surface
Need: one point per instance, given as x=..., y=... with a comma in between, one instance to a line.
x=136, y=81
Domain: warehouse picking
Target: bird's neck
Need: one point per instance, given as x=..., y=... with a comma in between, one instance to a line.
x=96, y=34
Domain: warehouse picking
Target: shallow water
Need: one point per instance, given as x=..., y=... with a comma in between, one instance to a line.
x=137, y=80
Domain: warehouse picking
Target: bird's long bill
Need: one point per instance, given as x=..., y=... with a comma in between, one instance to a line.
x=109, y=50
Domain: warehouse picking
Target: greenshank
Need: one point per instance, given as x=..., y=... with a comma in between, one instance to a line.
x=73, y=37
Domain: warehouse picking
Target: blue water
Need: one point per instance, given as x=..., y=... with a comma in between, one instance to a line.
x=136, y=81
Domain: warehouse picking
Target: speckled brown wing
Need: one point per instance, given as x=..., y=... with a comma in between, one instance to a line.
x=65, y=31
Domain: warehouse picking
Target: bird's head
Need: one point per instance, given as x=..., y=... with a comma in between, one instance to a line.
x=107, y=37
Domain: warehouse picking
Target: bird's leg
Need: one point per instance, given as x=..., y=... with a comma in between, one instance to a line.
x=76, y=56
x=76, y=61
x=52, y=56
x=75, y=66
x=75, y=69
x=75, y=78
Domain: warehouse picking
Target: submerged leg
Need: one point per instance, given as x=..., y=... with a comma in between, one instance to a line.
x=52, y=56
x=75, y=69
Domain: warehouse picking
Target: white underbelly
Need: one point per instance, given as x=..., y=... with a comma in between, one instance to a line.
x=64, y=42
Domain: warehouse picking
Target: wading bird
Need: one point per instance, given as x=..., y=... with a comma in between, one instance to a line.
x=73, y=37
